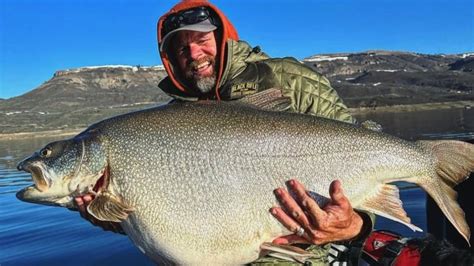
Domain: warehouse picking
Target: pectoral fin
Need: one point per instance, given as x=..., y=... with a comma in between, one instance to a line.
x=386, y=203
x=108, y=207
x=286, y=252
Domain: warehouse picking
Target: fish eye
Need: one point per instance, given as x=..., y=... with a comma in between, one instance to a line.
x=45, y=152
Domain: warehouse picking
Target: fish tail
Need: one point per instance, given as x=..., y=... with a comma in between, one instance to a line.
x=455, y=161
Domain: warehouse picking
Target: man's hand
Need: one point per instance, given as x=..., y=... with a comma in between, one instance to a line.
x=82, y=202
x=337, y=221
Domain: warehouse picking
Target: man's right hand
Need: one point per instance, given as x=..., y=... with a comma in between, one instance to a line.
x=82, y=202
x=337, y=221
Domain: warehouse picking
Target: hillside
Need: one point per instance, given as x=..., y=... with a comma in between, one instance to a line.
x=78, y=97
x=75, y=98
x=381, y=78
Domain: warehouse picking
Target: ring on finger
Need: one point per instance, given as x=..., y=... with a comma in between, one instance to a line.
x=299, y=231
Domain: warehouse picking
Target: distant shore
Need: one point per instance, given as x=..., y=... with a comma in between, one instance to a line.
x=413, y=107
x=354, y=111
x=40, y=134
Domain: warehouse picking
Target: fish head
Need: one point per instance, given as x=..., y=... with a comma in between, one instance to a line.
x=63, y=170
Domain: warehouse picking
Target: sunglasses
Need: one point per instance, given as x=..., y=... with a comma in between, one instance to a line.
x=187, y=17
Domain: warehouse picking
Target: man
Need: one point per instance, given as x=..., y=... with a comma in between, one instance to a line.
x=205, y=60
x=232, y=69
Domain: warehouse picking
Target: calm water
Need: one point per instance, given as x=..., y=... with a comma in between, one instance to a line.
x=33, y=234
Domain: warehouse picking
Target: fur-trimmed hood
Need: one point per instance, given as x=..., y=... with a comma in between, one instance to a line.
x=226, y=32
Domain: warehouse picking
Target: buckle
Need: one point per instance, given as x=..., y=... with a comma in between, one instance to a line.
x=339, y=255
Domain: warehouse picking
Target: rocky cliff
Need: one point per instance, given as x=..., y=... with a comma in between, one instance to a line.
x=75, y=98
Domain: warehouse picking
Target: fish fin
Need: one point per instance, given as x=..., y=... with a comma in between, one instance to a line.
x=108, y=207
x=455, y=161
x=386, y=203
x=286, y=252
x=372, y=125
x=269, y=99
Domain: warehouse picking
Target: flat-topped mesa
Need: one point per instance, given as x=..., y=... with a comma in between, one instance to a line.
x=109, y=67
x=345, y=56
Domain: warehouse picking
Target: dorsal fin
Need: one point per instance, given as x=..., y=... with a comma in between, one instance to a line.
x=108, y=207
x=269, y=99
x=386, y=203
x=372, y=125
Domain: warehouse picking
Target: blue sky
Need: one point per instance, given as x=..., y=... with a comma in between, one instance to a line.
x=38, y=37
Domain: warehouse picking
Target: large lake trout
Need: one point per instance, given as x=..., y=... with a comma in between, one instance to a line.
x=192, y=183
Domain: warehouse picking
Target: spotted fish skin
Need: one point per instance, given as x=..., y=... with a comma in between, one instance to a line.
x=200, y=176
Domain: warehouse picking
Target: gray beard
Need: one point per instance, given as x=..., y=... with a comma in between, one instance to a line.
x=206, y=84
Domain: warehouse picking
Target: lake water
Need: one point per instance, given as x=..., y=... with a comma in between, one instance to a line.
x=33, y=234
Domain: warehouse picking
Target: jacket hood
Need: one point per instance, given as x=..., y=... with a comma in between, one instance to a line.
x=226, y=32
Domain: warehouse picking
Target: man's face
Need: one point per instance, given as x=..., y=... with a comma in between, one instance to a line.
x=196, y=56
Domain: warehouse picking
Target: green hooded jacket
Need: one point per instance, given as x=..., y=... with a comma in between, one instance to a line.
x=242, y=70
x=248, y=70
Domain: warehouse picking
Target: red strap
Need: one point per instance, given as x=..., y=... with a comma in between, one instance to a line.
x=375, y=245
x=387, y=248
x=409, y=256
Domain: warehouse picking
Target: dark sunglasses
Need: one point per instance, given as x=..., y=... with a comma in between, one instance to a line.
x=187, y=17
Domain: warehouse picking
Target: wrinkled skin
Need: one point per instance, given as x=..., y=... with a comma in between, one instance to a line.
x=335, y=222
x=195, y=53
x=192, y=47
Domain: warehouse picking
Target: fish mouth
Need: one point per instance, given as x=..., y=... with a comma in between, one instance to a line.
x=40, y=191
x=40, y=181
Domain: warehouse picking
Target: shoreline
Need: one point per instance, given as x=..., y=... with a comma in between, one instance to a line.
x=40, y=134
x=354, y=111
x=402, y=108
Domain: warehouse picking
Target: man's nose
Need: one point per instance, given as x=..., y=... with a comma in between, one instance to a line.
x=195, y=51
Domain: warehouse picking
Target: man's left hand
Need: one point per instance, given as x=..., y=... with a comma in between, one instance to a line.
x=336, y=221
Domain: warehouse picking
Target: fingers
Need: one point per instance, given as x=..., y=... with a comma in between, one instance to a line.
x=80, y=205
x=290, y=239
x=88, y=198
x=82, y=202
x=334, y=222
x=308, y=203
x=292, y=207
x=287, y=221
x=337, y=195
